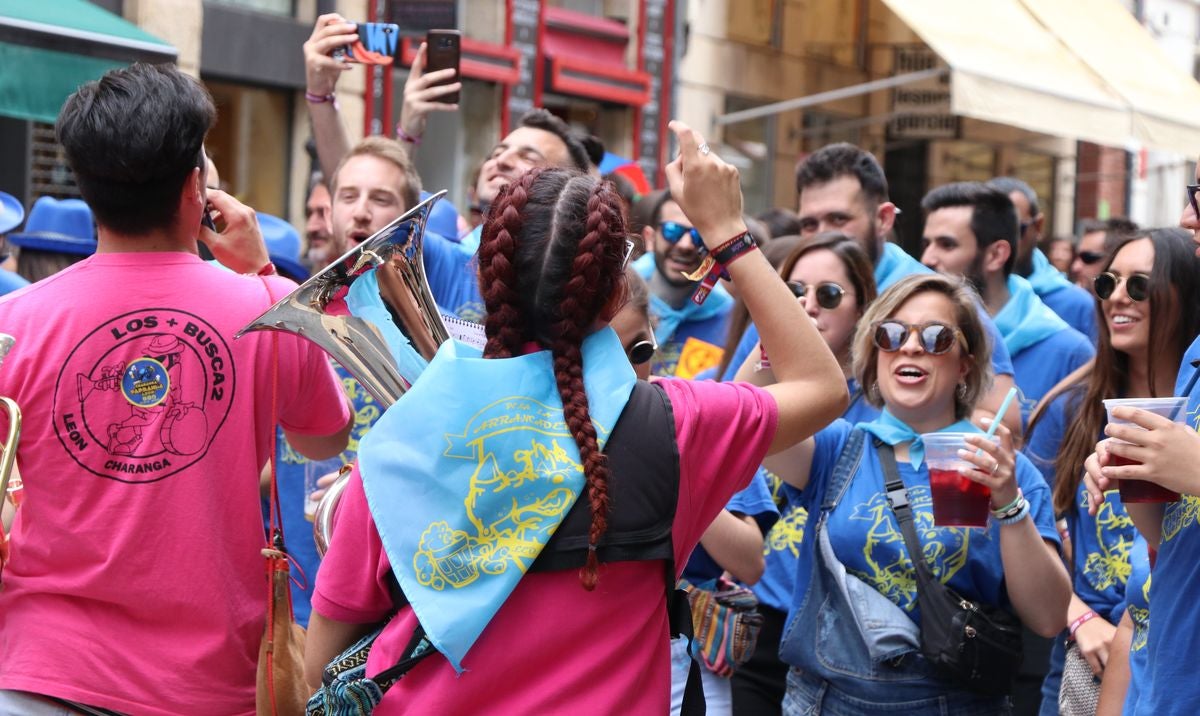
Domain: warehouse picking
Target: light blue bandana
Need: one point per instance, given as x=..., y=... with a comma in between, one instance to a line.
x=893, y=431
x=1025, y=320
x=669, y=319
x=894, y=264
x=470, y=473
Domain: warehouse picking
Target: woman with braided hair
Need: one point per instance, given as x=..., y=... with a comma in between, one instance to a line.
x=534, y=502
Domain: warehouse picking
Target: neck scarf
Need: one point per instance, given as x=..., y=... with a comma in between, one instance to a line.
x=893, y=431
x=471, y=472
x=1025, y=320
x=670, y=318
x=894, y=264
x=1045, y=278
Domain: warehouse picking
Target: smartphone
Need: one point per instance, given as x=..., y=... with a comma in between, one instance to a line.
x=377, y=43
x=442, y=51
x=206, y=219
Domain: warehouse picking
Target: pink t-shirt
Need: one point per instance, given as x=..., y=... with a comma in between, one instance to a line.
x=136, y=581
x=554, y=647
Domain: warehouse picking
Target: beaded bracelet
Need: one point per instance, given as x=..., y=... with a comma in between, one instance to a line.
x=1022, y=513
x=1011, y=508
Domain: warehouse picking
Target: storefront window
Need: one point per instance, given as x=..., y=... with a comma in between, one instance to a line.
x=750, y=147
x=250, y=144
x=274, y=7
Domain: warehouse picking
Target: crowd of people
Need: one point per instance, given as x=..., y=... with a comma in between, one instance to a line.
x=694, y=468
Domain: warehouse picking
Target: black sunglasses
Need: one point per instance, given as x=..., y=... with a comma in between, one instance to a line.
x=829, y=294
x=935, y=338
x=642, y=351
x=673, y=232
x=1091, y=257
x=1137, y=286
x=1191, y=194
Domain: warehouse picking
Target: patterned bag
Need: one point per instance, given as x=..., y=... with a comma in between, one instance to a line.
x=346, y=690
x=725, y=624
x=1079, y=692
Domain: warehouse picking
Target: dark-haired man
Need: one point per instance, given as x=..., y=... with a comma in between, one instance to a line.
x=690, y=336
x=1096, y=239
x=136, y=579
x=971, y=231
x=1074, y=305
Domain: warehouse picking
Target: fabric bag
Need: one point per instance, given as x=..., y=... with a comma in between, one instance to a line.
x=974, y=645
x=1079, y=692
x=280, y=686
x=725, y=624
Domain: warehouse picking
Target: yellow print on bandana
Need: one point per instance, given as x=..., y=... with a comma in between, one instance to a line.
x=1110, y=565
x=889, y=568
x=523, y=484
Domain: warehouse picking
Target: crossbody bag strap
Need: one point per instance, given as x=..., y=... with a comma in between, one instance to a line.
x=897, y=499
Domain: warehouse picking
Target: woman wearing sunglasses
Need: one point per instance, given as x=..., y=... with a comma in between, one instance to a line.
x=1147, y=292
x=922, y=352
x=831, y=276
x=463, y=481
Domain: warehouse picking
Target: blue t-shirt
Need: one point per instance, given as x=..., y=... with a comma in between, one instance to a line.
x=1041, y=366
x=1171, y=686
x=1137, y=602
x=289, y=474
x=10, y=282
x=451, y=270
x=866, y=538
x=753, y=501
x=782, y=544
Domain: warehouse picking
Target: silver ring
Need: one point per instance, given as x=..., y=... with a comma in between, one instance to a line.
x=704, y=149
x=995, y=468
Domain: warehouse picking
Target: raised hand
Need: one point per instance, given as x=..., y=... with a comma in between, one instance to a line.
x=321, y=71
x=707, y=189
x=421, y=92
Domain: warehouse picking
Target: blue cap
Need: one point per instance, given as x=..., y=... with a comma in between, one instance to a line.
x=60, y=225
x=283, y=245
x=11, y=213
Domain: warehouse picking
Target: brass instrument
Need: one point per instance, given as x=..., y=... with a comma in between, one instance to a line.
x=373, y=312
x=9, y=453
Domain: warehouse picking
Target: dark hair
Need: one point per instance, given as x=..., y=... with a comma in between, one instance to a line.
x=132, y=138
x=1176, y=270
x=550, y=262
x=594, y=147
x=638, y=293
x=780, y=222
x=852, y=255
x=758, y=231
x=843, y=159
x=1007, y=185
x=654, y=202
x=539, y=118
x=34, y=264
x=993, y=216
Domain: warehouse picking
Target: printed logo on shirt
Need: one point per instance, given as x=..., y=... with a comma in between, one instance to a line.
x=1108, y=563
x=787, y=534
x=142, y=396
x=366, y=412
x=1179, y=515
x=1141, y=618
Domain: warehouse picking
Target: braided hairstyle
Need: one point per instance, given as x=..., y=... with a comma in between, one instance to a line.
x=550, y=264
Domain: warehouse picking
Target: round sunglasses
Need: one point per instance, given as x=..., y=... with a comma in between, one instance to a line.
x=1137, y=286
x=935, y=337
x=829, y=294
x=673, y=232
x=641, y=352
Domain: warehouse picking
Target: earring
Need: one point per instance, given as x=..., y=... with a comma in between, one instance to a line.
x=873, y=392
x=960, y=391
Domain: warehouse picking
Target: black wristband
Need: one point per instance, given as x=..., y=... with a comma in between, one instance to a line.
x=729, y=251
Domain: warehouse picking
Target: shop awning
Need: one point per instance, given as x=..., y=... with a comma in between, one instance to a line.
x=1164, y=99
x=1009, y=68
x=48, y=49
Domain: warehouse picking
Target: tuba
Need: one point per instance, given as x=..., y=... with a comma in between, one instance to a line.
x=373, y=312
x=7, y=456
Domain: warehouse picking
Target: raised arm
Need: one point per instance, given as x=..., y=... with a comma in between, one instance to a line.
x=421, y=93
x=811, y=390
x=321, y=74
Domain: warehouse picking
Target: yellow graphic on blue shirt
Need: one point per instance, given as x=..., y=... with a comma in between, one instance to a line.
x=1186, y=511
x=787, y=534
x=1141, y=619
x=514, y=501
x=366, y=412
x=889, y=568
x=1108, y=565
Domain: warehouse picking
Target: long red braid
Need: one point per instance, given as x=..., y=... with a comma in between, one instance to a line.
x=556, y=315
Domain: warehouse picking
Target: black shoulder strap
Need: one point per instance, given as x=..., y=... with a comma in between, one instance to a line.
x=897, y=499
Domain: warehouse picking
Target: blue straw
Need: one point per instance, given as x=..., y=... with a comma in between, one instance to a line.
x=1008, y=399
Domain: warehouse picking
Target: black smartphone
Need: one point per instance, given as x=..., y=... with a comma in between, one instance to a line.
x=377, y=43
x=443, y=51
x=206, y=219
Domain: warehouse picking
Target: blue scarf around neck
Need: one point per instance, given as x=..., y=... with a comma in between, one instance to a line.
x=894, y=264
x=1025, y=320
x=670, y=318
x=1045, y=278
x=893, y=431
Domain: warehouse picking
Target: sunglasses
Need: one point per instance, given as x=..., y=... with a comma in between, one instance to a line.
x=642, y=351
x=1191, y=195
x=628, y=253
x=1091, y=257
x=1137, y=286
x=829, y=294
x=673, y=232
x=935, y=338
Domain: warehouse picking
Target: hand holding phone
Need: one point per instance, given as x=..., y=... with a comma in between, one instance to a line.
x=443, y=52
x=376, y=45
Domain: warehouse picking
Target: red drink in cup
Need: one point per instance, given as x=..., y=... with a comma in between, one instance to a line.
x=1142, y=490
x=958, y=501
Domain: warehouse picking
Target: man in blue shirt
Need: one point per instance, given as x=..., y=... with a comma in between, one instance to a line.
x=971, y=231
x=1073, y=304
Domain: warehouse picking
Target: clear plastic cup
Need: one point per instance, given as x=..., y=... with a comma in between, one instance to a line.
x=958, y=501
x=1174, y=409
x=314, y=470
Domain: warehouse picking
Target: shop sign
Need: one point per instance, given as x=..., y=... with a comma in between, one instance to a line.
x=416, y=17
x=921, y=110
